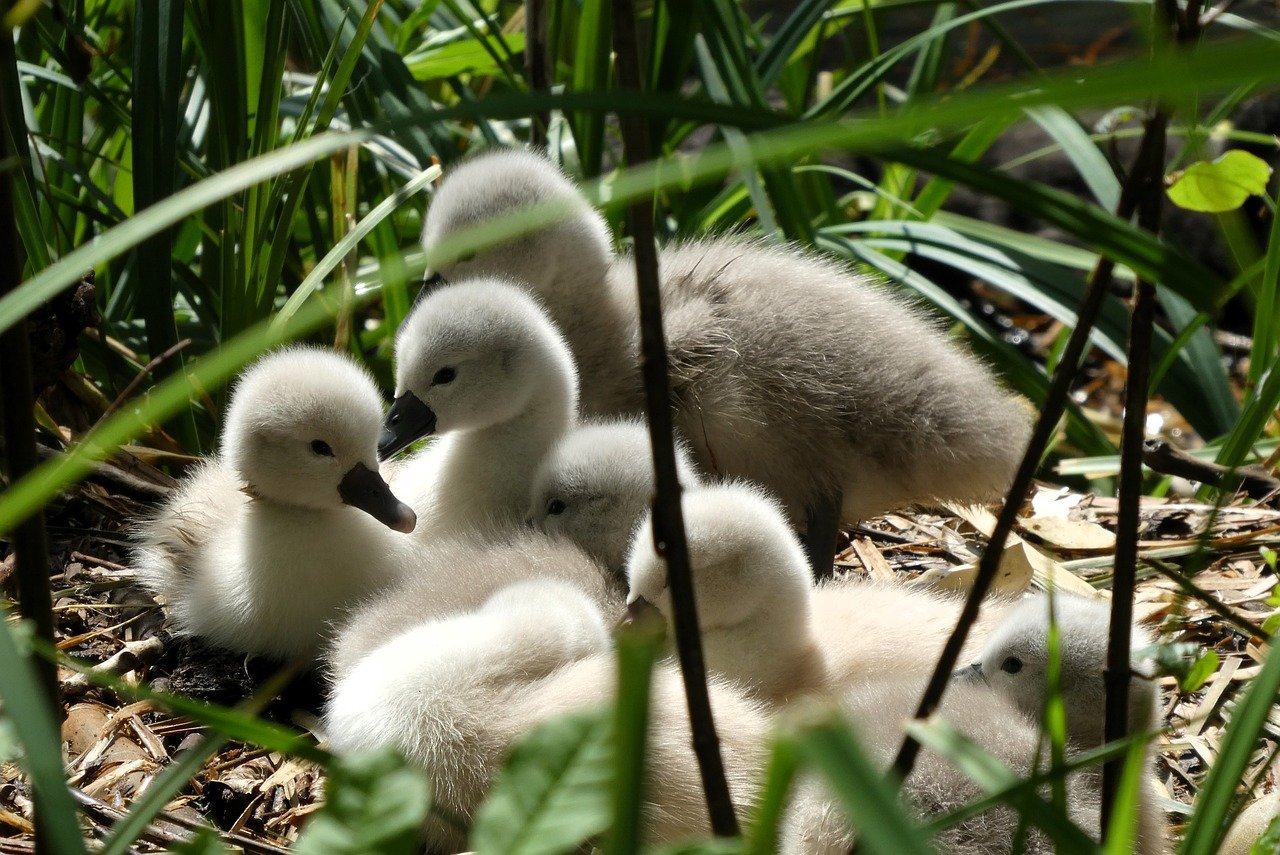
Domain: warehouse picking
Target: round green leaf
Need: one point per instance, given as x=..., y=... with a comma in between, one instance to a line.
x=1220, y=185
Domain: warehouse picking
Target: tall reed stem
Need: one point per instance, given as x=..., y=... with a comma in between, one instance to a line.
x=668, y=520
x=17, y=404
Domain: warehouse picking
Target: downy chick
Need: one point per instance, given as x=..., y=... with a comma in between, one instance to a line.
x=764, y=624
x=788, y=369
x=1015, y=662
x=596, y=484
x=479, y=363
x=877, y=709
x=454, y=695
x=264, y=544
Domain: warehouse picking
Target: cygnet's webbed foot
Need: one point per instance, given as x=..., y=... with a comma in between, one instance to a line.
x=822, y=527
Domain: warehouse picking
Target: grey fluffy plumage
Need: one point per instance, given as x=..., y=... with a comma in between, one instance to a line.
x=788, y=369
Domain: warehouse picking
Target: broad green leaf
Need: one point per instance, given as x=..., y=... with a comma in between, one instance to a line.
x=374, y=803
x=1187, y=662
x=554, y=792
x=1269, y=842
x=1215, y=186
x=464, y=56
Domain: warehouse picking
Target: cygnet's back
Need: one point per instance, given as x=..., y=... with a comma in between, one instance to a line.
x=1015, y=660
x=443, y=693
x=869, y=628
x=799, y=374
x=457, y=576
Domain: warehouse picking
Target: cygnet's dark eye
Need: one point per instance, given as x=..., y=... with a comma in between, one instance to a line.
x=1012, y=665
x=556, y=507
x=443, y=377
x=320, y=447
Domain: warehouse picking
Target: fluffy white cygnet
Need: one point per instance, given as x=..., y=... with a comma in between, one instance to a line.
x=480, y=363
x=566, y=264
x=263, y=545
x=788, y=369
x=815, y=824
x=596, y=484
x=764, y=624
x=457, y=576
x=454, y=695
x=1015, y=660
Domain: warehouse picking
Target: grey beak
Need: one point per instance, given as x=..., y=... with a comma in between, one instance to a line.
x=968, y=673
x=364, y=488
x=637, y=610
x=407, y=420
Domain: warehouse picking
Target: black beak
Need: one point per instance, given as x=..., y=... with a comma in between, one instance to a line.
x=968, y=673
x=407, y=420
x=638, y=610
x=364, y=488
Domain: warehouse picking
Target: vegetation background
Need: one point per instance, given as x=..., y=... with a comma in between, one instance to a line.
x=187, y=183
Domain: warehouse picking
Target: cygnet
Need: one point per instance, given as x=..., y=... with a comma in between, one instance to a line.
x=457, y=576
x=263, y=545
x=1015, y=661
x=454, y=696
x=480, y=363
x=877, y=709
x=596, y=484
x=788, y=368
x=764, y=624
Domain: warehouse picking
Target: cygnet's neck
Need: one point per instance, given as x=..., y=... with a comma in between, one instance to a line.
x=486, y=473
x=776, y=655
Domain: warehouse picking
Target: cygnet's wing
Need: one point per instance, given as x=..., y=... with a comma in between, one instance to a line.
x=458, y=576
x=170, y=540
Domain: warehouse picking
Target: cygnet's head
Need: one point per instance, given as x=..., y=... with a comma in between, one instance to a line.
x=596, y=484
x=302, y=429
x=472, y=355
x=571, y=251
x=1015, y=663
x=751, y=579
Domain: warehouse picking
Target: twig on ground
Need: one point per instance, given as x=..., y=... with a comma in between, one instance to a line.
x=1162, y=457
x=668, y=520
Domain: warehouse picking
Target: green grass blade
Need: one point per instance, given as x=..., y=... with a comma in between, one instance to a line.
x=883, y=824
x=348, y=243
x=1266, y=318
x=779, y=774
x=68, y=269
x=28, y=710
x=1213, y=802
x=638, y=646
x=591, y=74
